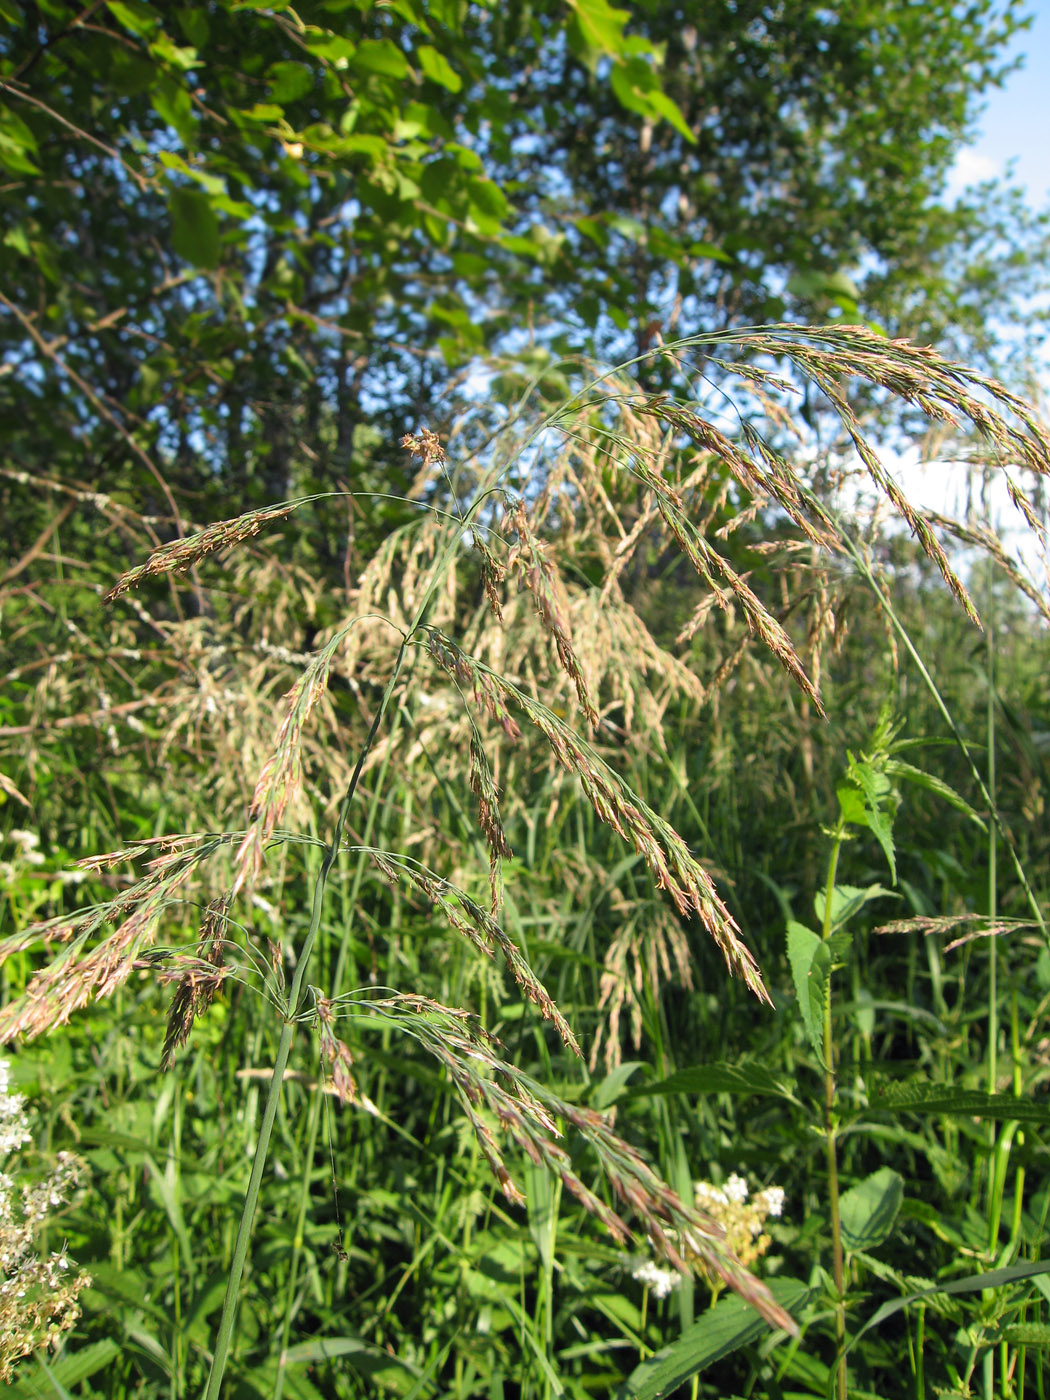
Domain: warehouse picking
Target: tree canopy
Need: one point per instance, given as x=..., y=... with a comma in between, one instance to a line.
x=234, y=235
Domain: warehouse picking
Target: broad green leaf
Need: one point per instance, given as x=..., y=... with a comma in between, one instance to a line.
x=173, y=105
x=920, y=1096
x=614, y=1084
x=811, y=972
x=289, y=80
x=382, y=57
x=709, y=250
x=195, y=229
x=667, y=108
x=867, y=1211
x=846, y=900
x=851, y=803
x=719, y=1078
x=600, y=26
x=726, y=1327
x=910, y=774
x=876, y=788
x=437, y=68
x=139, y=18
x=1026, y=1334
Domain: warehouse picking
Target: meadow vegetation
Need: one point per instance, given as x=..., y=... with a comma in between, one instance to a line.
x=524, y=852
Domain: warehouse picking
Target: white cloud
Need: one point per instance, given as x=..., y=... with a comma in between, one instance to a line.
x=970, y=168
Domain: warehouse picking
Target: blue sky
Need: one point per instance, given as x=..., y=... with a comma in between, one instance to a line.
x=1015, y=124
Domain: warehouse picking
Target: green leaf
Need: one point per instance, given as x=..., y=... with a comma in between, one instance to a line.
x=851, y=804
x=599, y=26
x=973, y=1283
x=73, y=1368
x=811, y=972
x=719, y=1078
x=1026, y=1334
x=846, y=900
x=381, y=57
x=920, y=1096
x=437, y=68
x=614, y=1084
x=195, y=229
x=867, y=1211
x=726, y=1327
x=289, y=80
x=665, y=107
x=139, y=18
x=908, y=773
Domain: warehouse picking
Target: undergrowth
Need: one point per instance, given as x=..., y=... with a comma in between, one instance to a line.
x=552, y=819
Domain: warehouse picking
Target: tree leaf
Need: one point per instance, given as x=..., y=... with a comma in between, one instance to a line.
x=437, y=68
x=195, y=229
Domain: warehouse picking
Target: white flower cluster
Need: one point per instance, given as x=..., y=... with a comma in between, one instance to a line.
x=38, y=1296
x=660, y=1282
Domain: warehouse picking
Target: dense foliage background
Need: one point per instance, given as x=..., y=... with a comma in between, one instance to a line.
x=244, y=250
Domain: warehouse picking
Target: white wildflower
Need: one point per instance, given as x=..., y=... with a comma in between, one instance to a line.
x=660, y=1282
x=706, y=1193
x=772, y=1200
x=736, y=1188
x=27, y=843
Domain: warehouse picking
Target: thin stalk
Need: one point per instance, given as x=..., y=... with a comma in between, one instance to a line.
x=838, y=1269
x=996, y=1161
x=284, y=1047
x=297, y=1244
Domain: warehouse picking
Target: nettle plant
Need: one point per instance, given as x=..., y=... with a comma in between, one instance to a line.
x=520, y=555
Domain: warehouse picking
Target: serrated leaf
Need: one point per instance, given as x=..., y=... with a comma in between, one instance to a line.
x=1026, y=1334
x=908, y=773
x=974, y=1283
x=810, y=960
x=920, y=1096
x=723, y=1329
x=868, y=1210
x=719, y=1078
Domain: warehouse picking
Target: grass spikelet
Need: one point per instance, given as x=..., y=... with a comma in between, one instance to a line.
x=282, y=773
x=79, y=976
x=180, y=555
x=480, y=929
x=499, y=1097
x=646, y=944
x=483, y=785
x=540, y=577
x=344, y=1085
x=676, y=870
x=197, y=985
x=493, y=574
